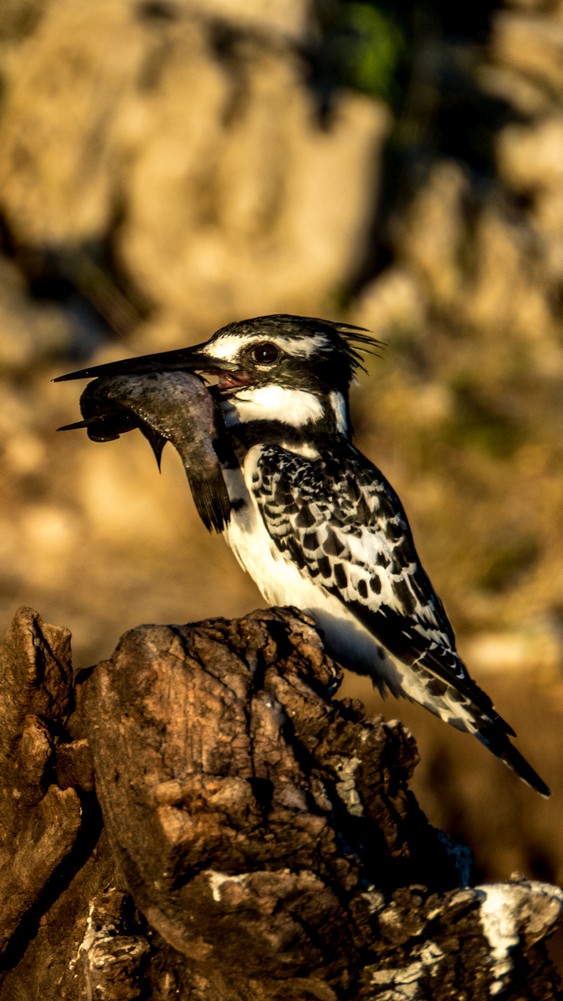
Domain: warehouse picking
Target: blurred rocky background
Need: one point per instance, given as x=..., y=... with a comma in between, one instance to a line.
x=169, y=165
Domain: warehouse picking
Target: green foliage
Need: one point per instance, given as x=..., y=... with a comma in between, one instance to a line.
x=366, y=45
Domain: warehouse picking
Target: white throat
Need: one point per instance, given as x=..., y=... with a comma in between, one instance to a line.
x=295, y=407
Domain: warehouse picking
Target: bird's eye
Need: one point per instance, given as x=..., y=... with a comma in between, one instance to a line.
x=265, y=353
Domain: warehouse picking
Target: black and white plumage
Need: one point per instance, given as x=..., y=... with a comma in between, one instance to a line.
x=316, y=525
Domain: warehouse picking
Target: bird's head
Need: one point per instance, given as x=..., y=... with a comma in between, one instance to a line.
x=293, y=370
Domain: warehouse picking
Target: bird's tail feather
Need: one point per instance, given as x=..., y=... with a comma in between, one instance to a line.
x=500, y=745
x=475, y=715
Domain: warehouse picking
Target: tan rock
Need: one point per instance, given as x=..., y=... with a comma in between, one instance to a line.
x=531, y=43
x=234, y=196
x=436, y=228
x=530, y=158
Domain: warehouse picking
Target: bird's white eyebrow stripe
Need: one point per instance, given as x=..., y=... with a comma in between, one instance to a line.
x=228, y=346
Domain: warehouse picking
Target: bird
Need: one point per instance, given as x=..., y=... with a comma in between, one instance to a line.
x=316, y=524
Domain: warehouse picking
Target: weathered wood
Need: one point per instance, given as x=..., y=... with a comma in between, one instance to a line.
x=39, y=821
x=259, y=838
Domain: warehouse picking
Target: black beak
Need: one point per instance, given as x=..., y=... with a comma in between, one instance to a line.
x=183, y=360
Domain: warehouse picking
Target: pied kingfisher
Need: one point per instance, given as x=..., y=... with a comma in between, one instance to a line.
x=317, y=525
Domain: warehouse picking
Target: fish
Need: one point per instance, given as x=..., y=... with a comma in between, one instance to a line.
x=175, y=407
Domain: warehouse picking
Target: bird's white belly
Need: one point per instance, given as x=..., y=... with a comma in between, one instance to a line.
x=281, y=583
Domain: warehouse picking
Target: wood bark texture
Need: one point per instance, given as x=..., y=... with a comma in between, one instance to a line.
x=200, y=818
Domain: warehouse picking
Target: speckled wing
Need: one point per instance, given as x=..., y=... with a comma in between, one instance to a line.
x=341, y=522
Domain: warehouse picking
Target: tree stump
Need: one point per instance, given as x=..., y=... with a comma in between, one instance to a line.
x=199, y=818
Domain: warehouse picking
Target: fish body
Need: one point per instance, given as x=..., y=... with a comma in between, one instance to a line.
x=168, y=406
